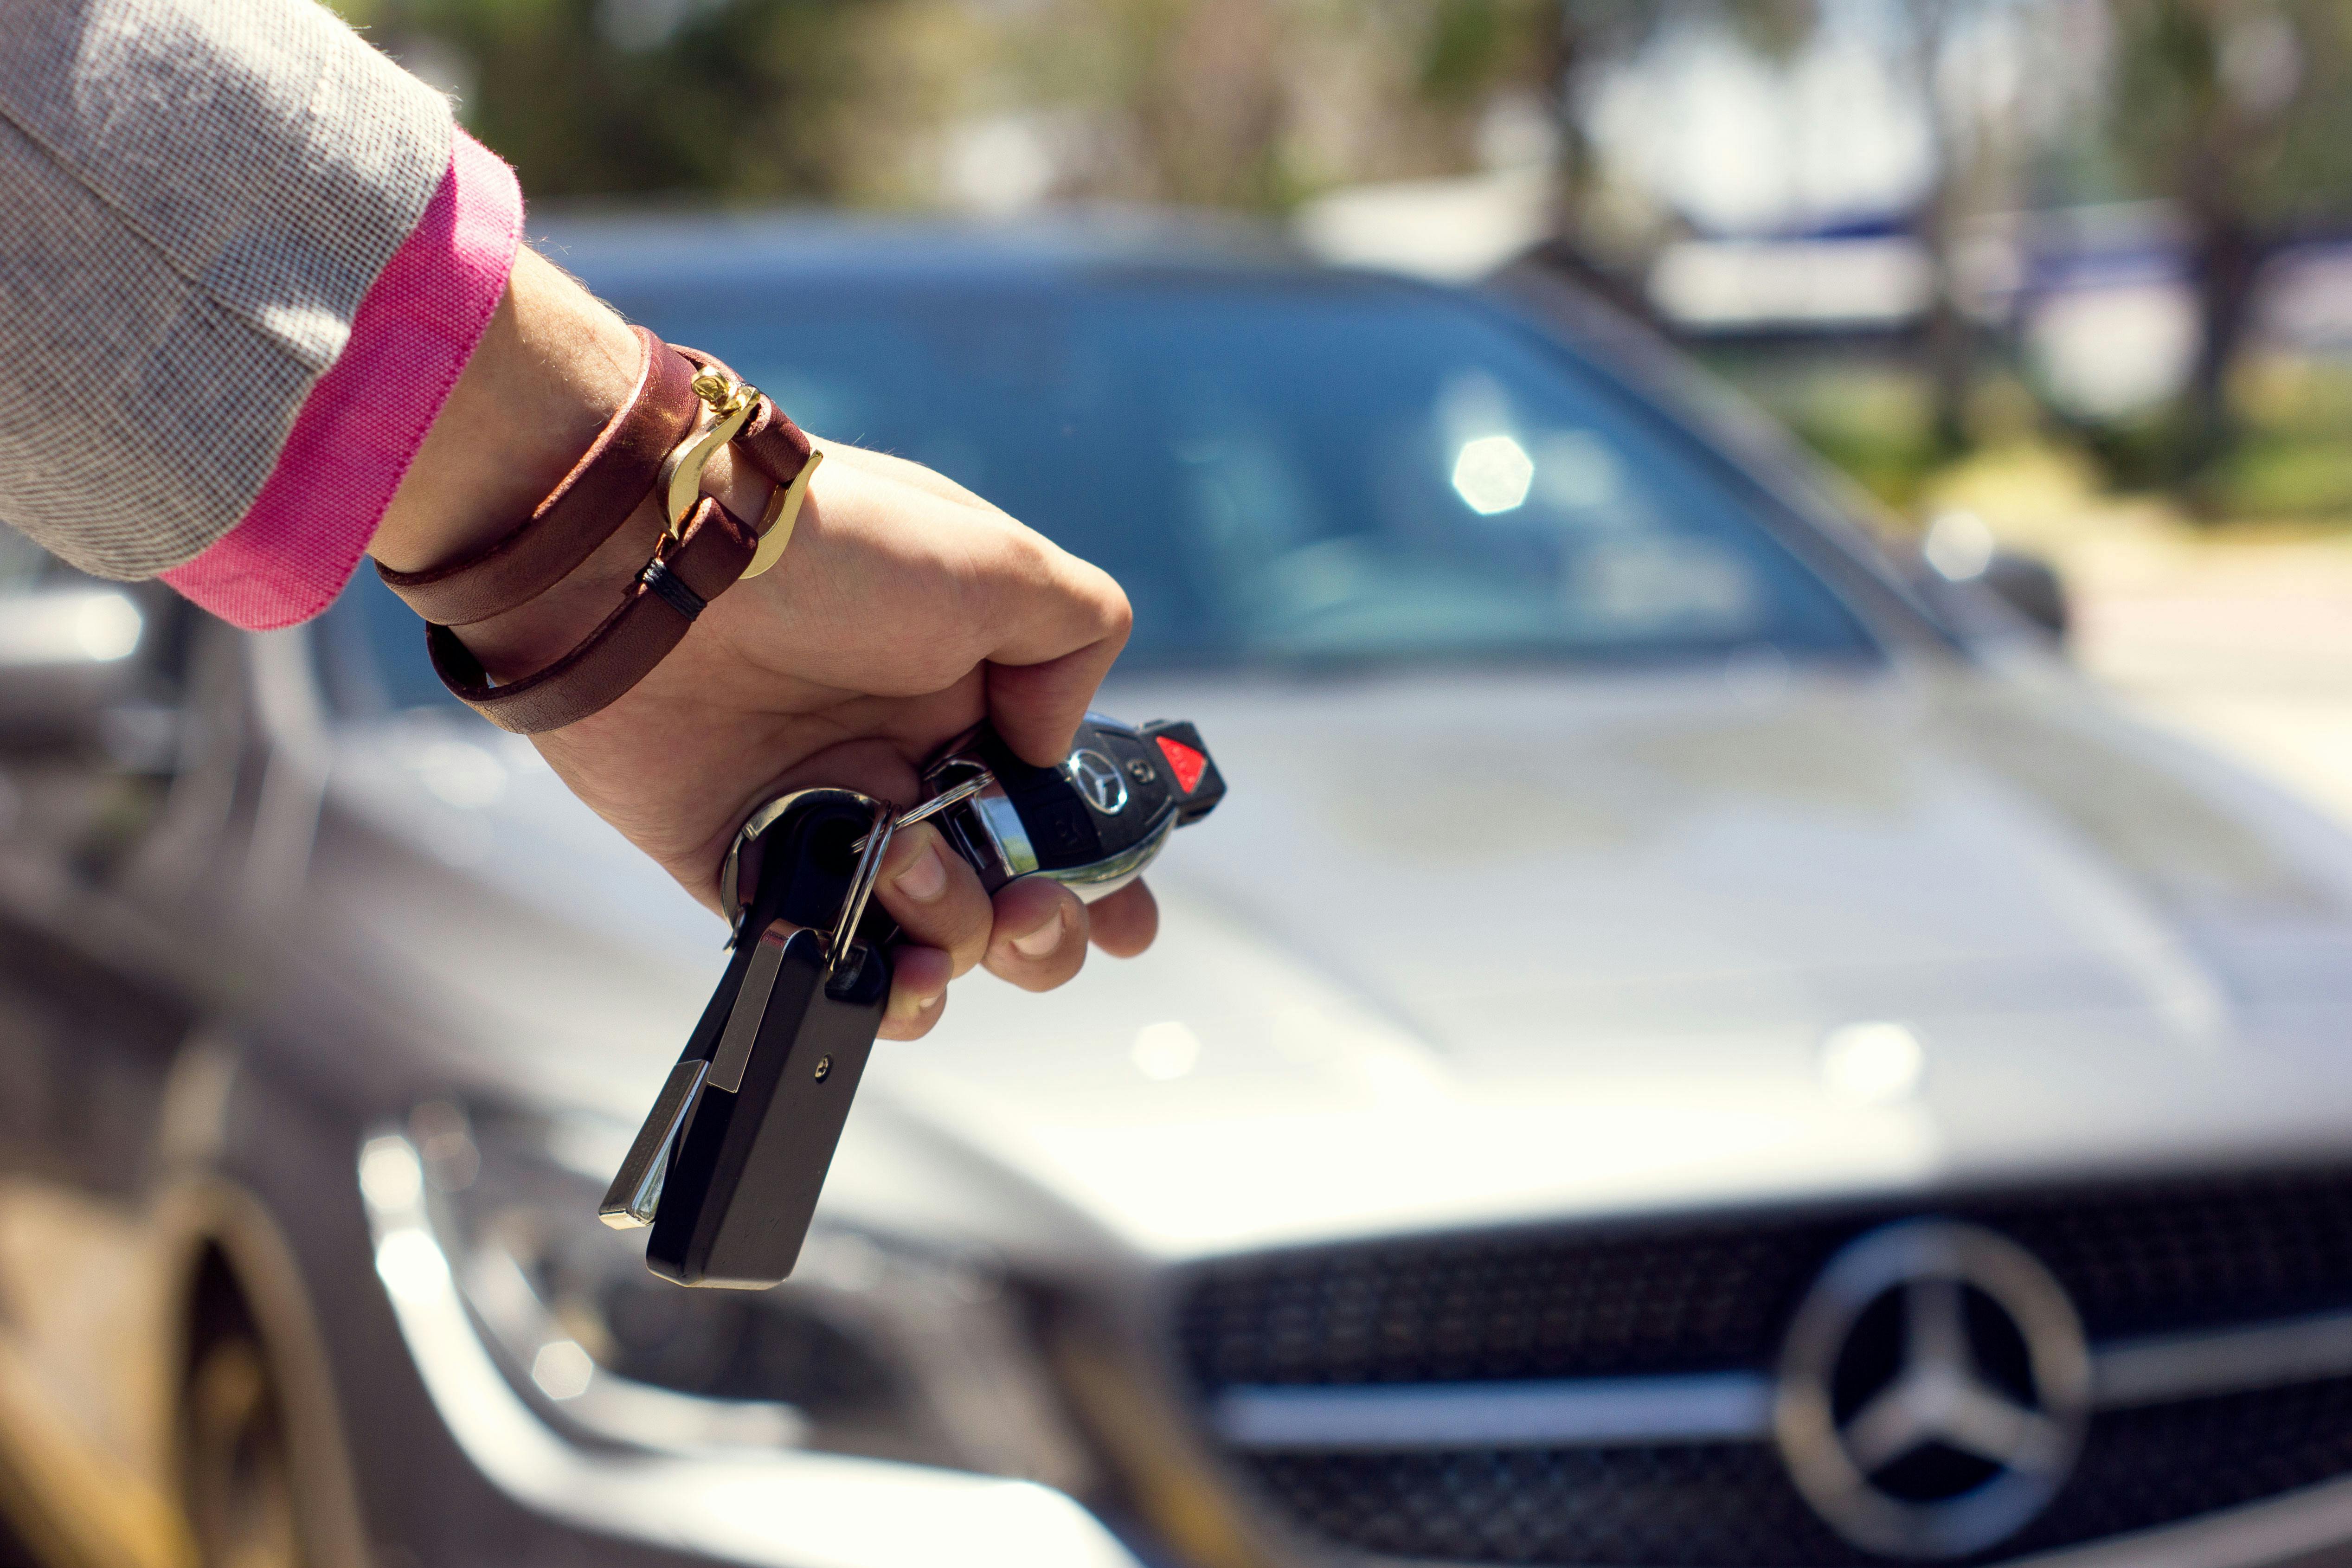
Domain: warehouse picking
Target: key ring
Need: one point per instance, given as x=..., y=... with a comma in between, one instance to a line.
x=940, y=802
x=861, y=885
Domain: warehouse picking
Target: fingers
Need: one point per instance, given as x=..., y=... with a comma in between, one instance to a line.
x=1040, y=938
x=919, y=992
x=937, y=900
x=1035, y=935
x=935, y=896
x=1124, y=923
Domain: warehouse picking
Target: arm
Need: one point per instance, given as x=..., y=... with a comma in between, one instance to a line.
x=262, y=310
x=904, y=610
x=196, y=197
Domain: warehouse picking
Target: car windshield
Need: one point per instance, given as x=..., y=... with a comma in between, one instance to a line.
x=1288, y=471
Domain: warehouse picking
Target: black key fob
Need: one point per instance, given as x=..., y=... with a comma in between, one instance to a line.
x=1092, y=823
x=746, y=1174
x=729, y=1167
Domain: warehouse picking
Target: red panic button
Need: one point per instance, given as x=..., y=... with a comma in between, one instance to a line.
x=1187, y=764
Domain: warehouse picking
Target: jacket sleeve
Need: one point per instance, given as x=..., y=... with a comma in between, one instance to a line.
x=198, y=196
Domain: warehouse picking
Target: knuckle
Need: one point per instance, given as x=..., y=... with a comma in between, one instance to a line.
x=1118, y=616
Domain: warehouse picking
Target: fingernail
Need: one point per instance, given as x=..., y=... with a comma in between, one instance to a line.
x=927, y=878
x=1042, y=941
x=931, y=1003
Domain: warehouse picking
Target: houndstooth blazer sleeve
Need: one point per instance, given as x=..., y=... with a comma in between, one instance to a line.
x=195, y=197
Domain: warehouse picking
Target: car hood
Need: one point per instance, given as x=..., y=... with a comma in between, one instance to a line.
x=1483, y=948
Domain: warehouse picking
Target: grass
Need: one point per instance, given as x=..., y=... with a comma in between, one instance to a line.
x=1870, y=416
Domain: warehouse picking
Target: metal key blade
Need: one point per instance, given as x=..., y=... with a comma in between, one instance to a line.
x=751, y=1005
x=635, y=1193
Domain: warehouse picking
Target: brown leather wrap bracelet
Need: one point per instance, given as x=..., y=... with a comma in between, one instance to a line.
x=698, y=556
x=777, y=447
x=595, y=499
x=652, y=620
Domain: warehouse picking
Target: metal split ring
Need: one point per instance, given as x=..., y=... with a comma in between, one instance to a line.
x=861, y=884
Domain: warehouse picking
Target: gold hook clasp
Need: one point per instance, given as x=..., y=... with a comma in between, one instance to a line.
x=730, y=403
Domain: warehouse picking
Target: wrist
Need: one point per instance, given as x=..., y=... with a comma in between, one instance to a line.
x=552, y=367
x=533, y=635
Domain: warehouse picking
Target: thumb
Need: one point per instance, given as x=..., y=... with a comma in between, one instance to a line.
x=1037, y=693
x=1036, y=707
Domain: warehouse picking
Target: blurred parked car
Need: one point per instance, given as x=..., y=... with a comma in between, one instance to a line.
x=1688, y=1044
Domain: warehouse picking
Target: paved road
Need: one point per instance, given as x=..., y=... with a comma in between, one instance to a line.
x=2246, y=647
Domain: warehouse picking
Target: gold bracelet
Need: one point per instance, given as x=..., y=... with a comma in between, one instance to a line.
x=731, y=404
x=783, y=513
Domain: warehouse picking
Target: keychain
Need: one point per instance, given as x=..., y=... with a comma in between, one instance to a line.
x=727, y=1168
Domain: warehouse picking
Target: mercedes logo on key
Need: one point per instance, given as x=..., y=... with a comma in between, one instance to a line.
x=1934, y=1390
x=1100, y=780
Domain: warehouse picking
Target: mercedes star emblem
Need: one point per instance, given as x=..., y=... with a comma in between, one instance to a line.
x=1100, y=780
x=1933, y=1391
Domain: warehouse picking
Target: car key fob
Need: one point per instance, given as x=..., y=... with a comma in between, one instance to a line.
x=1093, y=823
x=729, y=1166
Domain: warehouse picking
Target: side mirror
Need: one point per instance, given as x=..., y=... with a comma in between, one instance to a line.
x=70, y=653
x=2031, y=588
x=1960, y=552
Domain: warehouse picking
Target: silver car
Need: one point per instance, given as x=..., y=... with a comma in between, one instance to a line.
x=1690, y=1041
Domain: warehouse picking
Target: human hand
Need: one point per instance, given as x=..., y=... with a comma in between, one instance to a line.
x=904, y=611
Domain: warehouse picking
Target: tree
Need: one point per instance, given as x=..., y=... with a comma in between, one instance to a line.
x=1950, y=350
x=2236, y=110
x=748, y=99
x=1255, y=103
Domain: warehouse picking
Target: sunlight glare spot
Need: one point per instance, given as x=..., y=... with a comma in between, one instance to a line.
x=561, y=1369
x=1165, y=1051
x=108, y=627
x=1875, y=1063
x=1493, y=474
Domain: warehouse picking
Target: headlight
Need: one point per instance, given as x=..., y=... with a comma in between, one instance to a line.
x=875, y=1346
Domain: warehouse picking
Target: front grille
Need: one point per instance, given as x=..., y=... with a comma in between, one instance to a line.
x=1696, y=1298
x=1705, y=1506
x=1730, y=1506
x=1716, y=1296
x=1699, y=1299
x=2146, y=1468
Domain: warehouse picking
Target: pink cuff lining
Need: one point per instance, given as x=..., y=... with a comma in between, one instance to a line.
x=359, y=427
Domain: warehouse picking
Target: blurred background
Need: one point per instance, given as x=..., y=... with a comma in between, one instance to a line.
x=2079, y=269
x=1831, y=905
